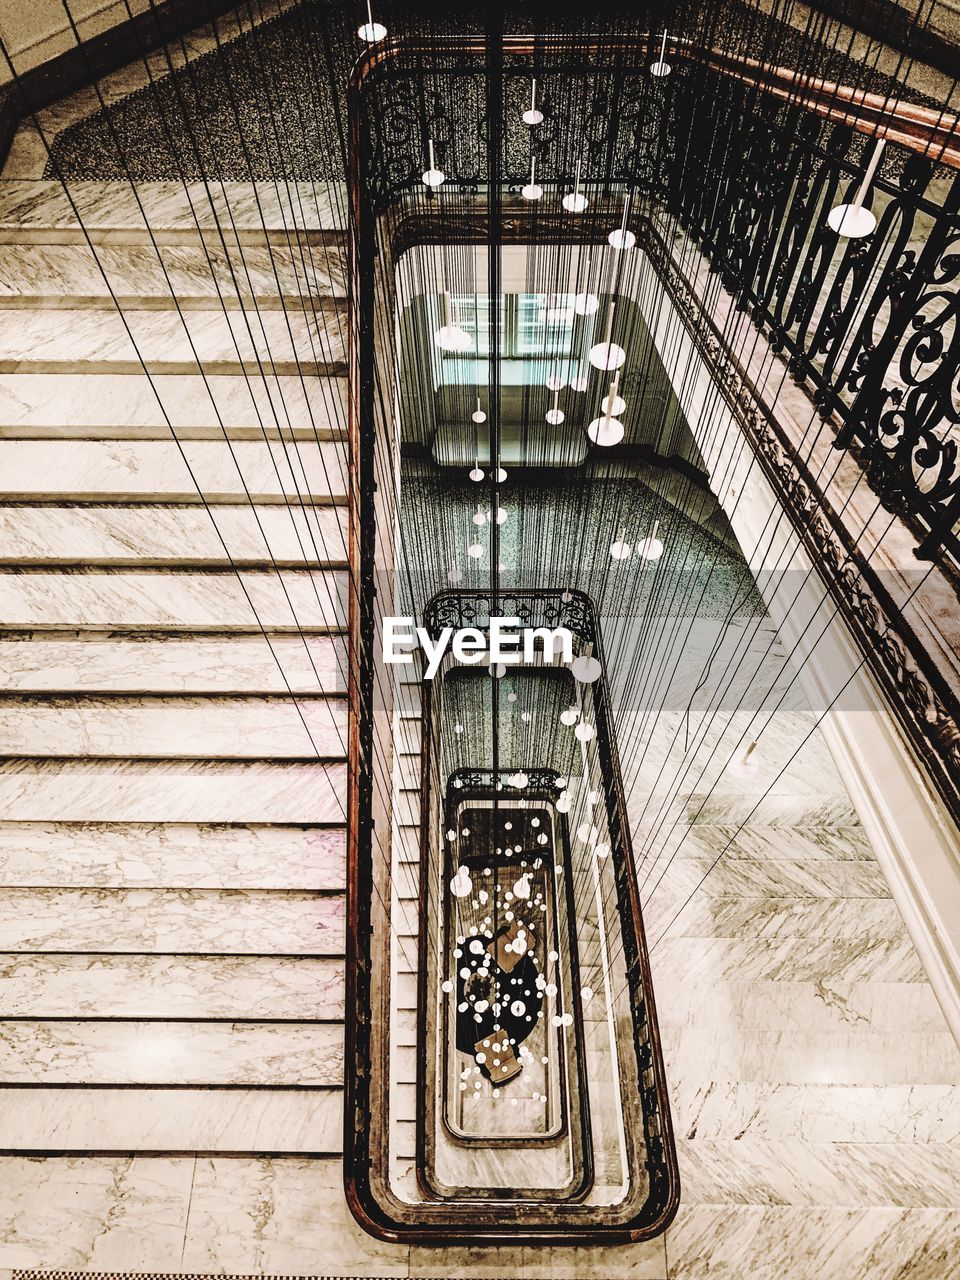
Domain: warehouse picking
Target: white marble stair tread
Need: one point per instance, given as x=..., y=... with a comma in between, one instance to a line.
x=122, y=1052
x=408, y=769
x=214, y=471
x=172, y=727
x=108, y=791
x=794, y=959
x=856, y=920
x=162, y=986
x=242, y=1121
x=751, y=1170
x=852, y=1056
x=114, y=402
x=408, y=842
x=185, y=855
x=299, y=534
x=176, y=664
x=223, y=342
x=817, y=1113
x=407, y=700
x=816, y=1006
x=779, y=877
x=180, y=921
x=407, y=808
x=406, y=884
x=110, y=211
x=51, y=275
x=186, y=600
x=813, y=1242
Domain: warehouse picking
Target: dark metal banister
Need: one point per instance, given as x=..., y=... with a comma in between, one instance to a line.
x=923, y=129
x=575, y=610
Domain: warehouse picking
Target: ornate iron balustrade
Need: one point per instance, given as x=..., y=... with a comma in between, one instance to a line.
x=649, y=162
x=749, y=159
x=575, y=611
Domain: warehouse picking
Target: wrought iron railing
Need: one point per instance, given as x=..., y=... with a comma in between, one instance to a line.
x=749, y=159
x=573, y=610
x=875, y=339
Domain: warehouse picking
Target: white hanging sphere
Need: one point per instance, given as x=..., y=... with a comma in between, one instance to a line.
x=660, y=68
x=458, y=727
x=586, y=669
x=498, y=670
x=518, y=779
x=580, y=382
x=614, y=407
x=575, y=202
x=450, y=337
x=602, y=850
x=584, y=731
x=586, y=304
x=475, y=551
x=851, y=222
x=570, y=716
x=460, y=885
x=621, y=239
x=554, y=417
x=476, y=475
x=372, y=32
x=455, y=575
x=532, y=191
x=620, y=550
x=478, y=416
x=480, y=518
x=433, y=178
x=650, y=548
x=564, y=801
x=605, y=431
x=555, y=382
x=502, y=514
x=522, y=887
x=607, y=355
x=499, y=475
x=532, y=116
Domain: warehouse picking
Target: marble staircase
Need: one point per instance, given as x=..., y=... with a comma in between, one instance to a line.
x=172, y=672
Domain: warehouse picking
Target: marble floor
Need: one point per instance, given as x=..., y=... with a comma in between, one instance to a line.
x=172, y=831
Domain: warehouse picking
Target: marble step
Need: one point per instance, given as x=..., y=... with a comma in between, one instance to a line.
x=99, y=471
x=214, y=1121
x=173, y=728
x=406, y=807
x=216, y=342
x=175, y=664
x=154, y=792
x=179, y=921
x=184, y=536
x=407, y=765
x=115, y=855
x=121, y=1052
x=166, y=213
x=406, y=884
x=114, y=405
x=72, y=275
x=160, y=986
x=188, y=600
